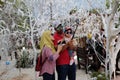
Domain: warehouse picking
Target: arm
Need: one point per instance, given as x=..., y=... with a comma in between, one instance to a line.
x=52, y=56
x=71, y=45
x=65, y=46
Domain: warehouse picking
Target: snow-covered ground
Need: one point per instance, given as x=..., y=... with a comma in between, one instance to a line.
x=11, y=73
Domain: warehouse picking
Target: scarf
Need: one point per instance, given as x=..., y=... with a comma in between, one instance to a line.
x=47, y=41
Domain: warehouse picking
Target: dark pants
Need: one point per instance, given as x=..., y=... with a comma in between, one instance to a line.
x=72, y=72
x=47, y=76
x=66, y=70
x=62, y=71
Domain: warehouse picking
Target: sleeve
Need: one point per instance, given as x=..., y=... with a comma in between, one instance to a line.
x=50, y=55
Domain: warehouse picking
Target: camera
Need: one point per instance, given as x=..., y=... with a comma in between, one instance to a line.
x=61, y=42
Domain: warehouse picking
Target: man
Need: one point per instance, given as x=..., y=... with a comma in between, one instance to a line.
x=62, y=64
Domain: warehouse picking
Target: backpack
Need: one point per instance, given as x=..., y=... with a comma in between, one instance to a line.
x=39, y=63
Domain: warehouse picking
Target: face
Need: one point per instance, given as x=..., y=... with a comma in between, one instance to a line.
x=59, y=29
x=68, y=33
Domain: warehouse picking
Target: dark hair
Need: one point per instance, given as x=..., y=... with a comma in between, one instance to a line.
x=59, y=27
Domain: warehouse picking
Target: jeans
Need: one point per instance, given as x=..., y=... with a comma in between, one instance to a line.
x=66, y=70
x=47, y=76
x=72, y=72
x=62, y=71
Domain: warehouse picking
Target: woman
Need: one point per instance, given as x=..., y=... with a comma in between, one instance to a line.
x=48, y=53
x=68, y=36
x=63, y=68
x=68, y=33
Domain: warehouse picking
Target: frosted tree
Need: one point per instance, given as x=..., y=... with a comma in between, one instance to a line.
x=7, y=23
x=21, y=16
x=109, y=13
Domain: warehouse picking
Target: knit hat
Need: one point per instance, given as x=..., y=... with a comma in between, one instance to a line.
x=56, y=23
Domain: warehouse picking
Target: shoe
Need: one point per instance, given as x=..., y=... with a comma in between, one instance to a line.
x=117, y=69
x=117, y=72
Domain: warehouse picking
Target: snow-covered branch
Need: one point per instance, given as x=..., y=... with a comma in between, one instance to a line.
x=114, y=9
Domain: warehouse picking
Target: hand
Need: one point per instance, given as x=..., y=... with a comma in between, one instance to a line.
x=59, y=48
x=70, y=44
x=61, y=42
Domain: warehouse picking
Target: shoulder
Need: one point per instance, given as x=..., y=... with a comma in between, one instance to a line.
x=46, y=47
x=47, y=51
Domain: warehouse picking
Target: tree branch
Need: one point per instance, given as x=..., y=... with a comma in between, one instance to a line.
x=114, y=9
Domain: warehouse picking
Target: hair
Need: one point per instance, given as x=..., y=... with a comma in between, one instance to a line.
x=56, y=28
